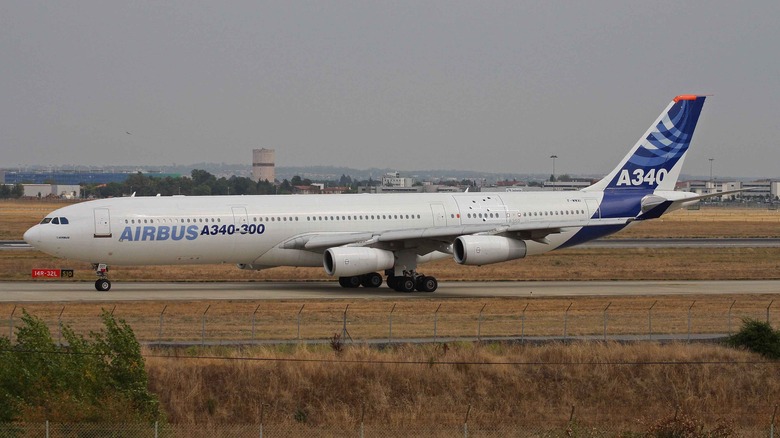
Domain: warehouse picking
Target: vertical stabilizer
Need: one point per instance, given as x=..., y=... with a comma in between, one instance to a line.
x=655, y=161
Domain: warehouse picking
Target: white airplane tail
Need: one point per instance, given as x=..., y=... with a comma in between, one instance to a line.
x=655, y=161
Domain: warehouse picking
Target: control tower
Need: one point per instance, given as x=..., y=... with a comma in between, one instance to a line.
x=263, y=162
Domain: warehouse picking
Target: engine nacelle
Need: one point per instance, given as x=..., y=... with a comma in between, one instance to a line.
x=483, y=250
x=346, y=261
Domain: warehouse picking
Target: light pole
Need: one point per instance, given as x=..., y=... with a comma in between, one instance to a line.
x=553, y=157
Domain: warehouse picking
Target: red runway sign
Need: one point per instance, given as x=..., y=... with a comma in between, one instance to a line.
x=52, y=273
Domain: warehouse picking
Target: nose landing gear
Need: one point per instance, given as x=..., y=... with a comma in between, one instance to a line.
x=101, y=284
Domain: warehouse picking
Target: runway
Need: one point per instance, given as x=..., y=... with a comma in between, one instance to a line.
x=68, y=291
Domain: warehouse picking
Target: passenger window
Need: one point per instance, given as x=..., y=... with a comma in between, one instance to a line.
x=64, y=221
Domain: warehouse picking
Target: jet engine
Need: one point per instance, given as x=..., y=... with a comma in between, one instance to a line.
x=348, y=261
x=483, y=250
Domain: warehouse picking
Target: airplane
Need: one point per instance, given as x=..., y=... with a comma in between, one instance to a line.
x=355, y=237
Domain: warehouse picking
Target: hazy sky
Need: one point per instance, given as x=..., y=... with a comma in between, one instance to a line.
x=490, y=86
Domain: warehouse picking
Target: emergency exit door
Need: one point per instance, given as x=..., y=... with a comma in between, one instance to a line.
x=102, y=222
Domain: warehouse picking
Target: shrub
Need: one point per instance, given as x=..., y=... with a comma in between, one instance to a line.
x=758, y=337
x=98, y=379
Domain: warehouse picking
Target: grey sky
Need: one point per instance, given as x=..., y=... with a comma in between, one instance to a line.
x=493, y=86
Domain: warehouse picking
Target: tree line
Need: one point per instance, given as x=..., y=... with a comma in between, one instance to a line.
x=8, y=191
x=201, y=183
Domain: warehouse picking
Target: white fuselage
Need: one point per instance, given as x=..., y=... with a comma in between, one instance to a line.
x=258, y=230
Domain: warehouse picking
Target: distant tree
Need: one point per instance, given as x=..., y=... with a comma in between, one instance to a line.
x=220, y=187
x=265, y=188
x=345, y=181
x=285, y=187
x=296, y=181
x=141, y=185
x=202, y=177
x=201, y=190
x=18, y=191
x=242, y=186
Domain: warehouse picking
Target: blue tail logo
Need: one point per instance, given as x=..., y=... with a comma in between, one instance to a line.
x=665, y=144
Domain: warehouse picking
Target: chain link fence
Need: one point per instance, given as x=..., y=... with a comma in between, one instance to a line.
x=281, y=322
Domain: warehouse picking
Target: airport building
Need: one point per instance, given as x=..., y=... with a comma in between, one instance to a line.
x=66, y=191
x=264, y=164
x=758, y=189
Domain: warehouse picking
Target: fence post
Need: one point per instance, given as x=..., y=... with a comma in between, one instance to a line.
x=59, y=324
x=606, y=316
x=390, y=325
x=344, y=331
x=767, y=311
x=435, y=322
x=362, y=415
x=466, y=423
x=690, y=310
x=47, y=428
x=772, y=425
x=730, y=307
x=566, y=322
x=203, y=326
x=650, y=321
x=299, y=321
x=522, y=323
x=262, y=415
x=159, y=336
x=479, y=324
x=156, y=429
x=11, y=325
x=254, y=318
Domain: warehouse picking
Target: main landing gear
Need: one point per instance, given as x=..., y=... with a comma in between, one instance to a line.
x=411, y=281
x=370, y=280
x=101, y=284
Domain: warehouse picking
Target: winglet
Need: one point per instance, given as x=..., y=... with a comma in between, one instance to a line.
x=685, y=97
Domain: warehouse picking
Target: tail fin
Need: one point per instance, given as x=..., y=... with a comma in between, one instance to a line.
x=655, y=161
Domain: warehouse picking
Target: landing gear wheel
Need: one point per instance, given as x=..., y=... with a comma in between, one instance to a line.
x=427, y=284
x=371, y=280
x=102, y=285
x=391, y=280
x=349, y=282
x=404, y=284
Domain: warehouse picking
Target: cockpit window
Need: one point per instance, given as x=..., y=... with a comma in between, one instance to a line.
x=64, y=221
x=46, y=220
x=55, y=221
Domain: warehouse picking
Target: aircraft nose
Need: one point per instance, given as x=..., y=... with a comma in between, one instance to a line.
x=32, y=236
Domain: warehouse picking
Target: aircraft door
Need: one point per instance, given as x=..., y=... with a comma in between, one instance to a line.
x=240, y=217
x=439, y=215
x=593, y=208
x=102, y=222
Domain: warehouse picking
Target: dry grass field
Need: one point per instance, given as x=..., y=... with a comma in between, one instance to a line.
x=613, y=387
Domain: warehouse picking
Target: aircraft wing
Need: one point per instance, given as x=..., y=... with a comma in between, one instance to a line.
x=531, y=231
x=319, y=241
